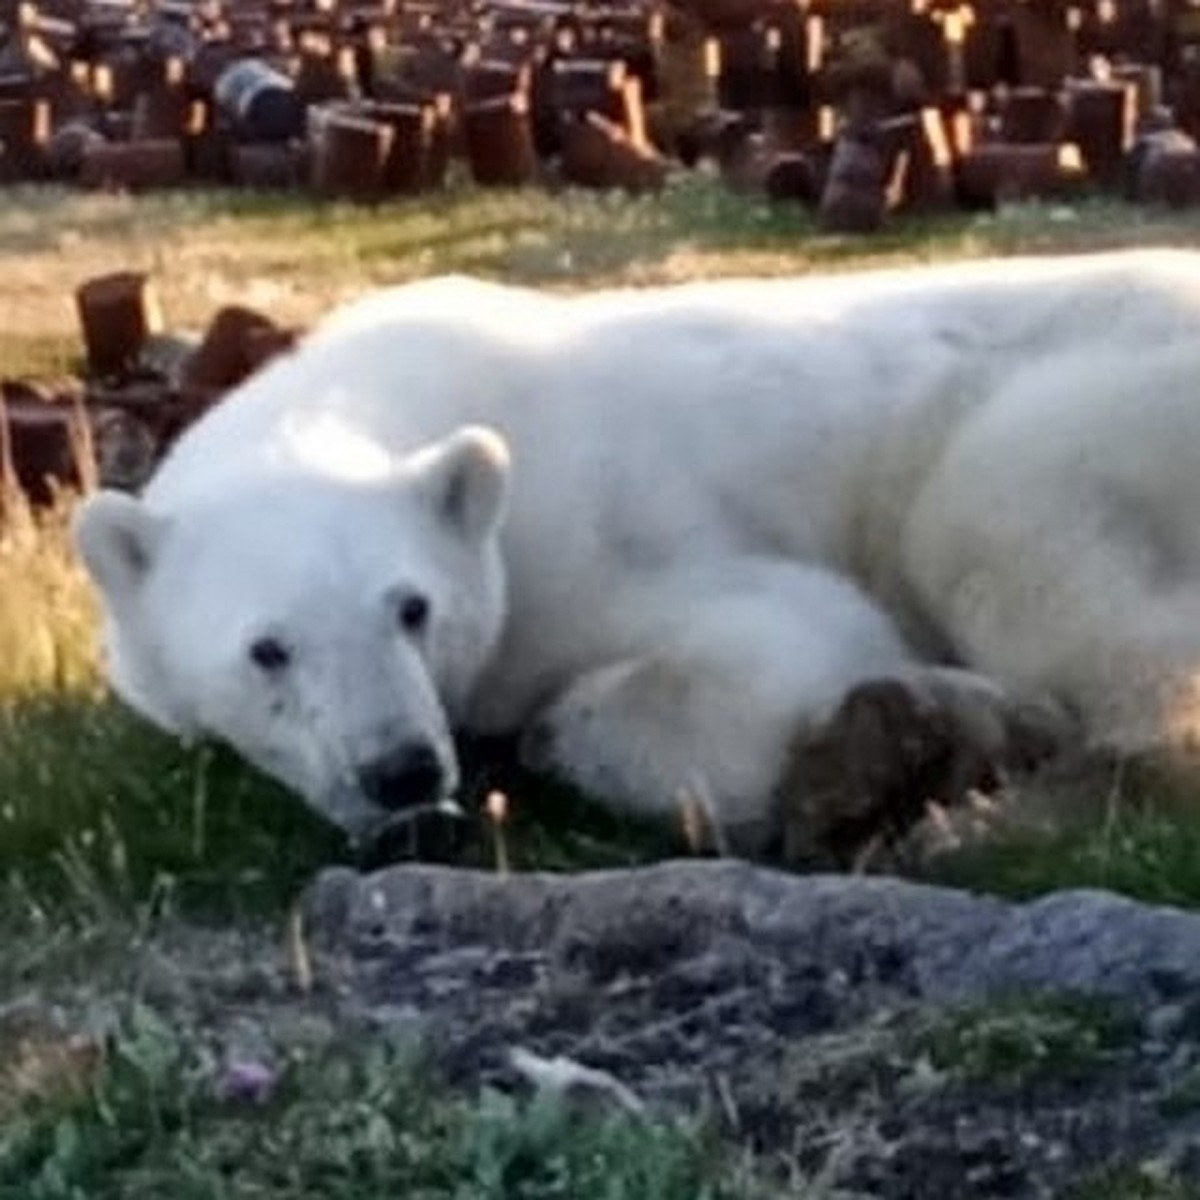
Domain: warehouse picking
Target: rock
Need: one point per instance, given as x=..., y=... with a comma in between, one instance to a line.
x=947, y=943
x=1102, y=118
x=884, y=1038
x=898, y=1040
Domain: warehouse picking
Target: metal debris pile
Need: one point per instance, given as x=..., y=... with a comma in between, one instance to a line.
x=857, y=107
x=141, y=387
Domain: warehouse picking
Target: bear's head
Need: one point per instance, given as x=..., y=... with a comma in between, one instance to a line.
x=330, y=629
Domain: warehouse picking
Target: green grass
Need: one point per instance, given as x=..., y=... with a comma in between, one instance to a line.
x=579, y=236
x=159, y=1118
x=694, y=227
x=1027, y=1037
x=99, y=809
x=1132, y=827
x=1149, y=1181
x=1149, y=854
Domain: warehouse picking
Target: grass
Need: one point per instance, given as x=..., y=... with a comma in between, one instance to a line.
x=1027, y=1037
x=137, y=816
x=105, y=825
x=294, y=259
x=1132, y=827
x=1139, y=1182
x=1145, y=852
x=160, y=1118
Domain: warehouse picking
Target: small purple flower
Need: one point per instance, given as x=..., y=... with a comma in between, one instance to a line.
x=247, y=1080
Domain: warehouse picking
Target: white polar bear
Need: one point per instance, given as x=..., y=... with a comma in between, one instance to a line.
x=728, y=504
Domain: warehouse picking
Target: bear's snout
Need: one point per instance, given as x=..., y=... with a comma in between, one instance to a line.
x=411, y=776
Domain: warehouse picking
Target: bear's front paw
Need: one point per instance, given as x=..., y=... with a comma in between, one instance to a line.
x=898, y=749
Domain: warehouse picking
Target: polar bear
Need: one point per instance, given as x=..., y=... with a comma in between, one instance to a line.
x=662, y=533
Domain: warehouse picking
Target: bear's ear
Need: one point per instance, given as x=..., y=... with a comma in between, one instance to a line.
x=116, y=537
x=466, y=478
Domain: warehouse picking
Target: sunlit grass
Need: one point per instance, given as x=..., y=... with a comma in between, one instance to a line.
x=294, y=258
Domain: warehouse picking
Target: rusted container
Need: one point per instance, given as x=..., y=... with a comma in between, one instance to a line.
x=582, y=85
x=349, y=153
x=117, y=313
x=1102, y=121
x=413, y=163
x=237, y=341
x=994, y=173
x=1146, y=79
x=749, y=68
x=856, y=195
x=168, y=111
x=598, y=153
x=259, y=103
x=1031, y=115
x=1167, y=171
x=42, y=439
x=499, y=142
x=1045, y=40
x=269, y=166
x=133, y=166
x=24, y=133
x=923, y=171
x=324, y=76
x=689, y=66
x=491, y=79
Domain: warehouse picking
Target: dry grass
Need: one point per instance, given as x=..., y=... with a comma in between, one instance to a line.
x=47, y=611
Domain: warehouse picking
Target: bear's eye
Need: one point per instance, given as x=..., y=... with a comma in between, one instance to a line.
x=270, y=654
x=412, y=612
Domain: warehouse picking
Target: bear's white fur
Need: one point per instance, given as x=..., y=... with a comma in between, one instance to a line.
x=727, y=504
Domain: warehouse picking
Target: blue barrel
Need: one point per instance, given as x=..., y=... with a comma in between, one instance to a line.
x=260, y=102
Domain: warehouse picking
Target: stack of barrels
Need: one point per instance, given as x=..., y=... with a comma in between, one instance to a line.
x=861, y=107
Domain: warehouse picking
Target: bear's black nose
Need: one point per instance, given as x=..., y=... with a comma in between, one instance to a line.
x=410, y=776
